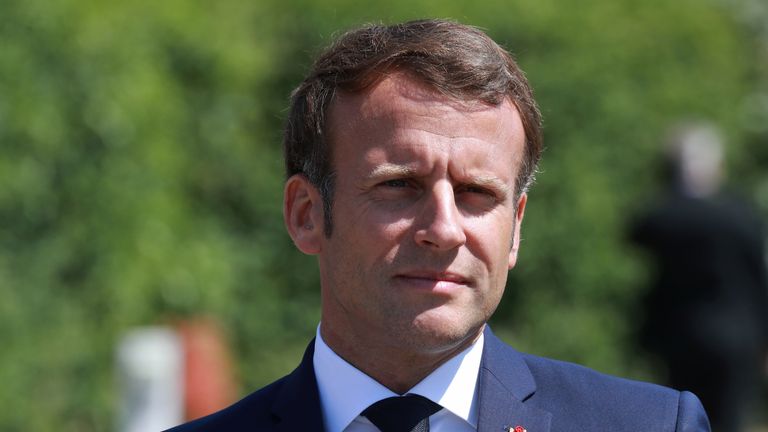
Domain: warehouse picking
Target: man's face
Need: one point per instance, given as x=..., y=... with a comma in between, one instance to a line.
x=425, y=219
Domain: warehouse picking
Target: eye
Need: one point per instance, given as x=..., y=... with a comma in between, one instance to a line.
x=471, y=189
x=395, y=183
x=476, y=198
x=396, y=190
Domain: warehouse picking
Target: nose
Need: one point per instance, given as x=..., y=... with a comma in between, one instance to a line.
x=439, y=226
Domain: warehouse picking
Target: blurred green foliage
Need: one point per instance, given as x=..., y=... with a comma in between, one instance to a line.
x=141, y=174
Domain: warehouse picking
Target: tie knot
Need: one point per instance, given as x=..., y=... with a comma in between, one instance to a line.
x=409, y=413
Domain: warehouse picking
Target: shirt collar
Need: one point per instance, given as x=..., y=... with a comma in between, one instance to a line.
x=345, y=391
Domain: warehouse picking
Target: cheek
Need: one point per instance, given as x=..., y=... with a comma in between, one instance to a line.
x=371, y=243
x=387, y=219
x=384, y=231
x=491, y=242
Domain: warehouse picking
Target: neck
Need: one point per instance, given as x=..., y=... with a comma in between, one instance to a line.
x=395, y=368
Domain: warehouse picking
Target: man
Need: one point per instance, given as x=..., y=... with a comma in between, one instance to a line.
x=409, y=151
x=706, y=310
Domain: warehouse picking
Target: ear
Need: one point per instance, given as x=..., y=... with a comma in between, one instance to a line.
x=516, y=229
x=303, y=214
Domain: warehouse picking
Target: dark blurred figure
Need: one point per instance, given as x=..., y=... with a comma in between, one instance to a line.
x=707, y=311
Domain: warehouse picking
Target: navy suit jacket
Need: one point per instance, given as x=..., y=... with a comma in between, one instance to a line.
x=515, y=389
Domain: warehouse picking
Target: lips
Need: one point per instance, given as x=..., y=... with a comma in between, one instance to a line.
x=432, y=279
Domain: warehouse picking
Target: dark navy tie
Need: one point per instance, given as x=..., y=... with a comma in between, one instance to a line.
x=409, y=413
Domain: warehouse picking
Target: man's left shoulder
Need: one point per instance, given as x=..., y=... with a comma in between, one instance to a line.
x=577, y=392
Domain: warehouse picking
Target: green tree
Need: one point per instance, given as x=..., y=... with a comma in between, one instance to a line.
x=141, y=176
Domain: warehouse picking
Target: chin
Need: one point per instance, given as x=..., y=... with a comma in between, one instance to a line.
x=437, y=332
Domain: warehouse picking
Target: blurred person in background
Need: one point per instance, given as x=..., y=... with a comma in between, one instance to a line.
x=409, y=151
x=706, y=314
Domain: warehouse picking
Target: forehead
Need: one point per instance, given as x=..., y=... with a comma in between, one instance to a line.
x=400, y=111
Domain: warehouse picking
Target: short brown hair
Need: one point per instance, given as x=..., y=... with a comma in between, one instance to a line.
x=457, y=60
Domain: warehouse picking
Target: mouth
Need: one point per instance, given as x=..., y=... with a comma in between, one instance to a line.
x=432, y=281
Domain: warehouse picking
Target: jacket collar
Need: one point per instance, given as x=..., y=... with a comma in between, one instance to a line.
x=297, y=405
x=505, y=383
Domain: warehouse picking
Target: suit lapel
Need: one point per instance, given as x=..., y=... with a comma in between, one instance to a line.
x=297, y=406
x=505, y=383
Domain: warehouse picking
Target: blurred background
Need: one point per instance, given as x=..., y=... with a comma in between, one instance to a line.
x=141, y=177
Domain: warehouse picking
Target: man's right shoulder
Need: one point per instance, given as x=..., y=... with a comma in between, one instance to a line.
x=253, y=411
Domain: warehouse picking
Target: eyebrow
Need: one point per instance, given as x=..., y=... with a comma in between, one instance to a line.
x=392, y=170
x=490, y=182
